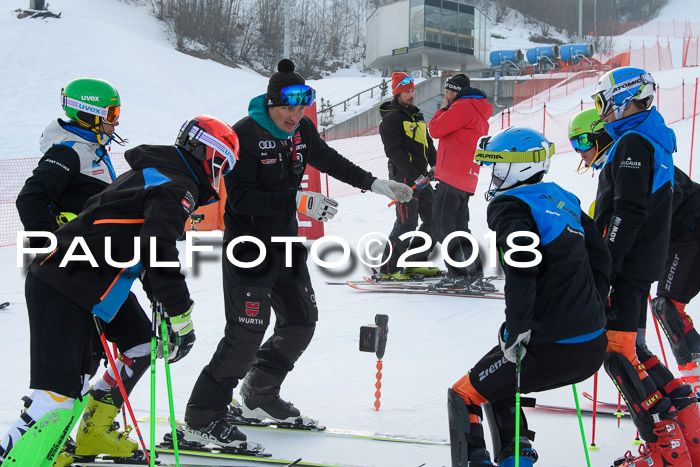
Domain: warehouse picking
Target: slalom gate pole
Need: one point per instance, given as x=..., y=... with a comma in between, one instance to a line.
x=154, y=346
x=173, y=422
x=517, y=407
x=658, y=333
x=580, y=424
x=115, y=352
x=378, y=386
x=120, y=384
x=595, y=408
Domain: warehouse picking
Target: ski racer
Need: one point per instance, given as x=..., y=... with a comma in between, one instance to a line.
x=142, y=213
x=458, y=124
x=263, y=197
x=633, y=212
x=75, y=166
x=410, y=151
x=556, y=267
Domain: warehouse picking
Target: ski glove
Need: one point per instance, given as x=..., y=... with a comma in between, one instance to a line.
x=422, y=182
x=510, y=343
x=180, y=335
x=392, y=190
x=316, y=206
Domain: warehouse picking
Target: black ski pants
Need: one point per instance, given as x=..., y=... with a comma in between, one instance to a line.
x=451, y=214
x=681, y=278
x=407, y=215
x=63, y=337
x=250, y=295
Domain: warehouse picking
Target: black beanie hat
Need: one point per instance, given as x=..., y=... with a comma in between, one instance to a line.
x=457, y=82
x=284, y=77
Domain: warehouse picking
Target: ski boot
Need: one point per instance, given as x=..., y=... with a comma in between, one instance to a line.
x=688, y=415
x=483, y=284
x=669, y=449
x=65, y=457
x=277, y=409
x=220, y=432
x=400, y=275
x=98, y=433
x=424, y=271
x=690, y=373
x=528, y=456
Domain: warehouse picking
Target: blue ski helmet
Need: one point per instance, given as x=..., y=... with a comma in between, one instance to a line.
x=618, y=87
x=518, y=155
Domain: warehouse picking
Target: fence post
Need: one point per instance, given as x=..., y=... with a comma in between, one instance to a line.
x=692, y=132
x=544, y=117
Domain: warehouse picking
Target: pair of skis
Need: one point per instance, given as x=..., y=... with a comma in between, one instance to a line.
x=421, y=287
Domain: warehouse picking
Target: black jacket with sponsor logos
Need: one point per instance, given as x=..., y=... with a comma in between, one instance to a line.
x=261, y=189
x=635, y=191
x=561, y=297
x=686, y=203
x=149, y=203
x=74, y=168
x=406, y=140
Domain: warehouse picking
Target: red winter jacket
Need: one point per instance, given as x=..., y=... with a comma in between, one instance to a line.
x=459, y=128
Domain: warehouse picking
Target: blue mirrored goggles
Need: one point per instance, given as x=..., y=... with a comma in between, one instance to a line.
x=406, y=80
x=299, y=94
x=583, y=142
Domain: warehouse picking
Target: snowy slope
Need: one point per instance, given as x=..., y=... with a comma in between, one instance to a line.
x=432, y=341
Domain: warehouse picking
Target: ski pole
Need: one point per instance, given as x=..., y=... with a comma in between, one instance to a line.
x=116, y=352
x=396, y=200
x=154, y=346
x=658, y=333
x=580, y=423
x=517, y=407
x=595, y=409
x=120, y=384
x=173, y=422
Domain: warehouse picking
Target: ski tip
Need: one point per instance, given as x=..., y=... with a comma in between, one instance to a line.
x=4, y=305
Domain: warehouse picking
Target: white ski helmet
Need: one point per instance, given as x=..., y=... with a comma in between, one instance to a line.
x=618, y=87
x=519, y=156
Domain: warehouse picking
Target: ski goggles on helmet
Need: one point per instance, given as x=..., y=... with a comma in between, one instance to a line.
x=605, y=100
x=403, y=82
x=583, y=142
x=299, y=94
x=109, y=114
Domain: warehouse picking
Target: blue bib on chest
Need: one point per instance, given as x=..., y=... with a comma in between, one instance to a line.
x=552, y=208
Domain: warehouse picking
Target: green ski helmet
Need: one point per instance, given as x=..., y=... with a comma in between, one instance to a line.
x=86, y=97
x=586, y=131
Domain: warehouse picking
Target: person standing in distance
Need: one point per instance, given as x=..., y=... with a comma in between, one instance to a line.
x=410, y=151
x=458, y=124
x=263, y=197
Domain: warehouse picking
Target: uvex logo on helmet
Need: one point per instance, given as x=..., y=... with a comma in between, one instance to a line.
x=267, y=145
x=90, y=98
x=252, y=309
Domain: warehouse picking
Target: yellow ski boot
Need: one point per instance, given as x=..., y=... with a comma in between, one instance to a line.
x=98, y=433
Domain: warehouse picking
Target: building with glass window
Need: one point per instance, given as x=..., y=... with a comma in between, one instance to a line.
x=417, y=34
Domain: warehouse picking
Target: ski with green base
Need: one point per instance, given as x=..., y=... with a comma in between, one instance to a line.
x=215, y=453
x=40, y=445
x=344, y=433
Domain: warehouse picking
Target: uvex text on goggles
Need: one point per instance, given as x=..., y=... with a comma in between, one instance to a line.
x=109, y=114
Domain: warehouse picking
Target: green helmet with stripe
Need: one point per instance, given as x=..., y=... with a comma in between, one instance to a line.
x=91, y=101
x=585, y=122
